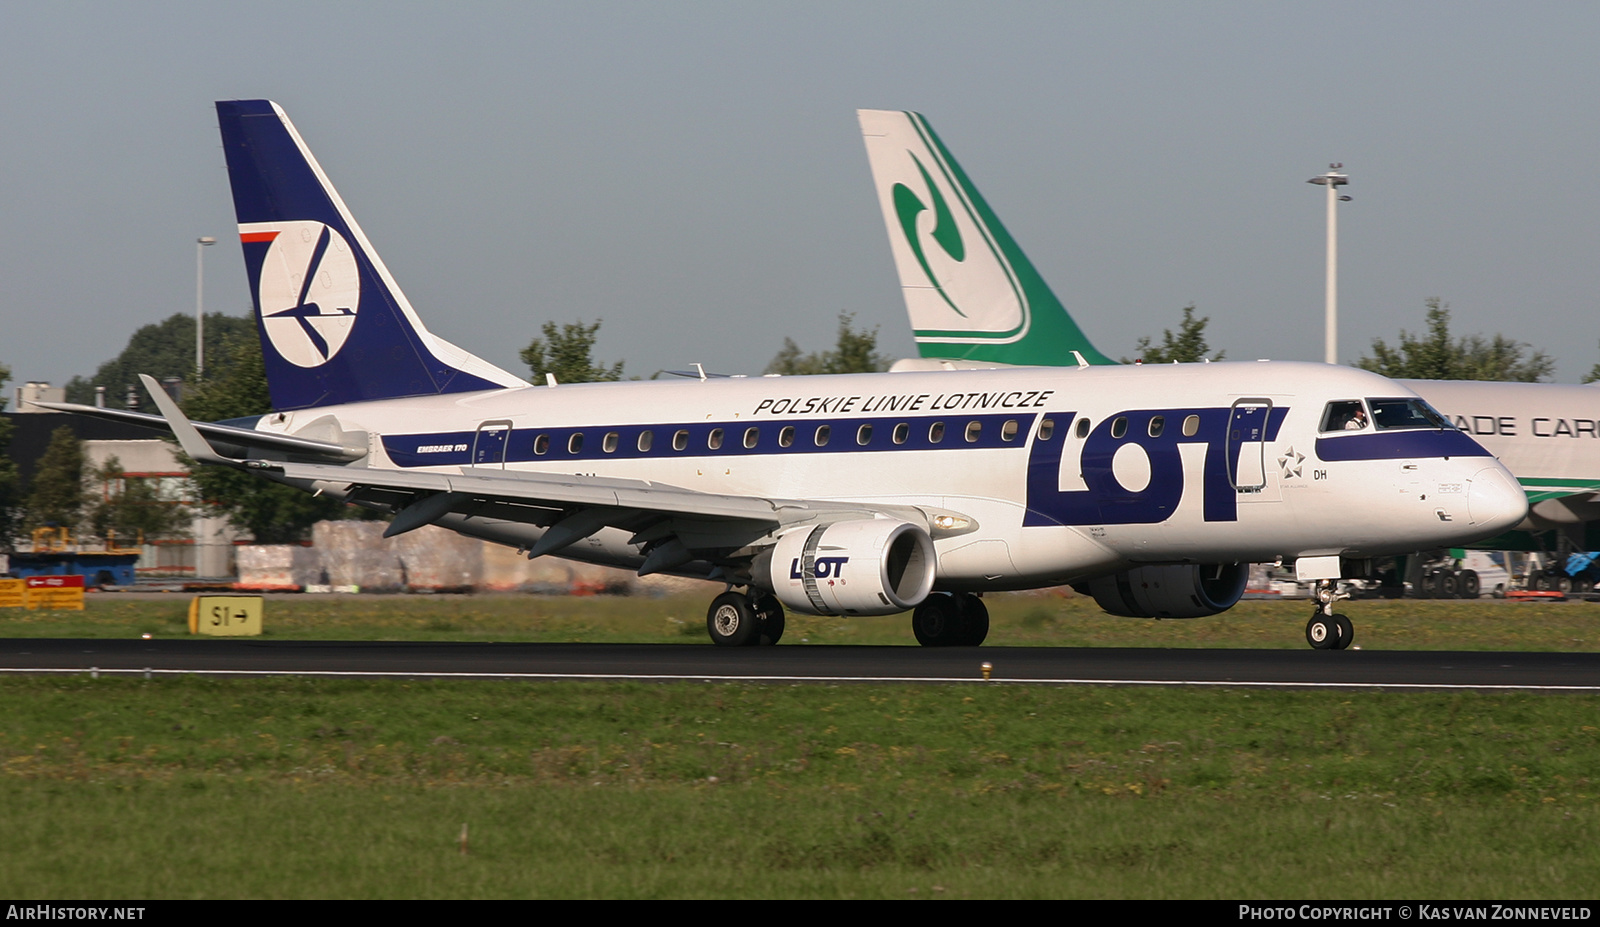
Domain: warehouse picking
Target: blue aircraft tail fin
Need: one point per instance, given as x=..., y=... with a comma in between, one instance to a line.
x=334, y=326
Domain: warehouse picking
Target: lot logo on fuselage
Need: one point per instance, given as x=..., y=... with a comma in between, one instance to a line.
x=308, y=291
x=1132, y=466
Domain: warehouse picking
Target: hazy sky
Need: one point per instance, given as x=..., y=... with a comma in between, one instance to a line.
x=692, y=173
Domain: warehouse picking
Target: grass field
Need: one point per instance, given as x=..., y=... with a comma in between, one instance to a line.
x=296, y=788
x=1018, y=620
x=323, y=788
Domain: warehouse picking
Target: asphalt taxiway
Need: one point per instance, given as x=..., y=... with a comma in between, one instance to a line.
x=812, y=663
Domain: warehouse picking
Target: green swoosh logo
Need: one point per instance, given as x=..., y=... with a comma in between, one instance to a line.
x=907, y=205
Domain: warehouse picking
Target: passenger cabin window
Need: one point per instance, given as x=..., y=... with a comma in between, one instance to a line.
x=646, y=438
x=1158, y=424
x=751, y=436
x=541, y=445
x=864, y=435
x=936, y=432
x=1047, y=428
x=1344, y=415
x=1407, y=413
x=974, y=431
x=902, y=431
x=680, y=440
x=575, y=443
x=610, y=443
x=1008, y=431
x=1083, y=428
x=1119, y=426
x=1191, y=426
x=823, y=433
x=714, y=440
x=786, y=436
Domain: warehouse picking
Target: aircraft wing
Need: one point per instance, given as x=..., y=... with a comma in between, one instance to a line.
x=676, y=525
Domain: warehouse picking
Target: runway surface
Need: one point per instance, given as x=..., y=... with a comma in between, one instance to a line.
x=1260, y=668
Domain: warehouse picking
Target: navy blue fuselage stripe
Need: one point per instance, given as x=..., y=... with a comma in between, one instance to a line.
x=1394, y=445
x=456, y=447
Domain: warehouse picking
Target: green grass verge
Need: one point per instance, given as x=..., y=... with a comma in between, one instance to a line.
x=1018, y=620
x=299, y=788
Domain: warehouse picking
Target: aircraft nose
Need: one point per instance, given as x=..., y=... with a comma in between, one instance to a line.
x=1494, y=500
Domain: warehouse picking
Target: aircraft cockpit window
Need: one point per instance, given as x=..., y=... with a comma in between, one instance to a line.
x=823, y=433
x=751, y=436
x=1344, y=415
x=541, y=445
x=680, y=440
x=1158, y=424
x=1407, y=413
x=936, y=432
x=1047, y=427
x=646, y=438
x=714, y=440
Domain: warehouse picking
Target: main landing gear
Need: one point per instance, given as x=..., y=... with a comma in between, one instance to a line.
x=950, y=620
x=944, y=619
x=1325, y=630
x=737, y=620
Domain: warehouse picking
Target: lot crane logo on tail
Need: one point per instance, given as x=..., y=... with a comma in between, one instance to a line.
x=309, y=290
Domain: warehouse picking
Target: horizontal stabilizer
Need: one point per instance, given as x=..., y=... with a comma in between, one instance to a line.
x=231, y=437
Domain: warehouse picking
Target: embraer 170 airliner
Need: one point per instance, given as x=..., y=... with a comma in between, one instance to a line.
x=976, y=302
x=865, y=494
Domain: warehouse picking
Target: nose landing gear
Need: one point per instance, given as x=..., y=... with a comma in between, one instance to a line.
x=1326, y=630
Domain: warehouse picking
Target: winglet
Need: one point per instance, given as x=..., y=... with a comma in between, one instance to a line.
x=193, y=444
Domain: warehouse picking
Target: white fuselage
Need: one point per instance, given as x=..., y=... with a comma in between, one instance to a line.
x=1181, y=463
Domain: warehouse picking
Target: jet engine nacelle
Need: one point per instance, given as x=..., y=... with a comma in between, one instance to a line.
x=1176, y=591
x=865, y=567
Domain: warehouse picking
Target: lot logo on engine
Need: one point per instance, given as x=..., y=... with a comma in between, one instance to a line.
x=826, y=568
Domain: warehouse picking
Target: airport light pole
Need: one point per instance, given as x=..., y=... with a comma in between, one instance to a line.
x=1333, y=180
x=200, y=304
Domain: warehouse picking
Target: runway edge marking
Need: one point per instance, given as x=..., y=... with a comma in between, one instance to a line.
x=702, y=677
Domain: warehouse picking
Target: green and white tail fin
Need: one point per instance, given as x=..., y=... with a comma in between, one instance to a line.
x=971, y=293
